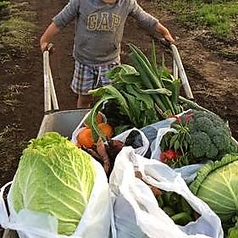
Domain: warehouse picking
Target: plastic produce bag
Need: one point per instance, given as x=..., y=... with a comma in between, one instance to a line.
x=140, y=139
x=78, y=129
x=154, y=133
x=148, y=141
x=95, y=221
x=135, y=208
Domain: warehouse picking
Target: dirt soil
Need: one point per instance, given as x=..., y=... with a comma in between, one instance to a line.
x=212, y=76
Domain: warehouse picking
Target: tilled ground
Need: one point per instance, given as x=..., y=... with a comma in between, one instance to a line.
x=212, y=74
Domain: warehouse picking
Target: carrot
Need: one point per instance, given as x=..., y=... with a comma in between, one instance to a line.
x=101, y=150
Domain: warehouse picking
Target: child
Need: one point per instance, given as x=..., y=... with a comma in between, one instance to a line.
x=98, y=35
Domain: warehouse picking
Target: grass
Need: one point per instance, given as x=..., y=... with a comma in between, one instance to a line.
x=218, y=17
x=16, y=32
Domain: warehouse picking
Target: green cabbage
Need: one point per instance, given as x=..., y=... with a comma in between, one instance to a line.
x=54, y=177
x=217, y=184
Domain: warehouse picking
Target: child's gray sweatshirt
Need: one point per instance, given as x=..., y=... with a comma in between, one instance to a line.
x=99, y=27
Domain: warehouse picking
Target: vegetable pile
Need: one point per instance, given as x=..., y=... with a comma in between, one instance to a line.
x=200, y=136
x=56, y=178
x=143, y=94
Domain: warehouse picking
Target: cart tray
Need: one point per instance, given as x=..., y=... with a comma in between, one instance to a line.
x=63, y=122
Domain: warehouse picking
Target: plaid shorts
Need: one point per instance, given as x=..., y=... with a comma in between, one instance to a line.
x=87, y=77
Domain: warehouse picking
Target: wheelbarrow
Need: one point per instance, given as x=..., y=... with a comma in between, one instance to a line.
x=65, y=122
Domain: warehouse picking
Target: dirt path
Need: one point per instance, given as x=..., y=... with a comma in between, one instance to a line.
x=22, y=90
x=214, y=80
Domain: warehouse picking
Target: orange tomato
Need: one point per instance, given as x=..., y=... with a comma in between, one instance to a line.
x=99, y=119
x=106, y=129
x=85, y=138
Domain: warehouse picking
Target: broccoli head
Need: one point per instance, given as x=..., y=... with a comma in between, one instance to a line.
x=199, y=144
x=211, y=137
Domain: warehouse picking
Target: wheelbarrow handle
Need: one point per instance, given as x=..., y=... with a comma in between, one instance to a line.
x=181, y=71
x=49, y=89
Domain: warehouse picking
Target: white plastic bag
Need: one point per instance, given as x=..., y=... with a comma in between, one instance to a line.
x=155, y=133
x=95, y=221
x=122, y=137
x=136, y=210
x=78, y=129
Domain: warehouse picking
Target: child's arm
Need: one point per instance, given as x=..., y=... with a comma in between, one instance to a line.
x=48, y=35
x=164, y=32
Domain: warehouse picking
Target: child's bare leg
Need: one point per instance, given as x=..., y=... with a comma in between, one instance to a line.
x=84, y=101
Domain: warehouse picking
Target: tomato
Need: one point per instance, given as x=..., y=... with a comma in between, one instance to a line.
x=169, y=155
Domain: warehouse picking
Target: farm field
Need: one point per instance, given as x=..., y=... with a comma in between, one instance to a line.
x=213, y=75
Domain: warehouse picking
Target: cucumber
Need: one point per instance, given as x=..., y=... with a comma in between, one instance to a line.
x=181, y=218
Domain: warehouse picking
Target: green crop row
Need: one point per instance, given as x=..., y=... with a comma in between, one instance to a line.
x=217, y=16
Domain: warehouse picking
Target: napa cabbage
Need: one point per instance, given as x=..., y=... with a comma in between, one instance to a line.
x=54, y=177
x=217, y=184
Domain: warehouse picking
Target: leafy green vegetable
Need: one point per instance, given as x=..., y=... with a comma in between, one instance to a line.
x=54, y=177
x=144, y=93
x=154, y=78
x=128, y=98
x=217, y=184
x=233, y=232
x=106, y=93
